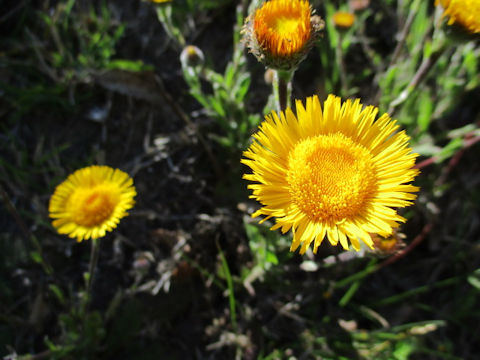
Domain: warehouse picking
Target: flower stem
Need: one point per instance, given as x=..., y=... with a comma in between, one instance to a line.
x=341, y=65
x=94, y=252
x=282, y=88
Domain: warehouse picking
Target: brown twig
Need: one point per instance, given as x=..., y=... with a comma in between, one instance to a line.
x=402, y=38
x=426, y=65
x=468, y=142
x=417, y=241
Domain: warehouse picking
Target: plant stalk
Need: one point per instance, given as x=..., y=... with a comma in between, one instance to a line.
x=282, y=88
x=94, y=252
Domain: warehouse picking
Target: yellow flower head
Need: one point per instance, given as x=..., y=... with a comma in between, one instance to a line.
x=281, y=32
x=465, y=13
x=91, y=202
x=343, y=19
x=336, y=173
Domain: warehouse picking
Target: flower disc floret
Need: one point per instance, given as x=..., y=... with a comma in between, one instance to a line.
x=336, y=173
x=91, y=202
x=330, y=177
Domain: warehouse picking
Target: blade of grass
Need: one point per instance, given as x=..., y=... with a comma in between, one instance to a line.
x=231, y=294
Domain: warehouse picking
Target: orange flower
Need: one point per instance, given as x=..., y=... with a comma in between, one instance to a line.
x=281, y=32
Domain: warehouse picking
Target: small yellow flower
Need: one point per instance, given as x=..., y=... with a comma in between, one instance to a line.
x=335, y=173
x=465, y=13
x=160, y=1
x=343, y=19
x=91, y=202
x=281, y=32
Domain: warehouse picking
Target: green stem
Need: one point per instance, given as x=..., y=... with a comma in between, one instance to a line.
x=94, y=252
x=231, y=294
x=341, y=65
x=282, y=88
x=418, y=290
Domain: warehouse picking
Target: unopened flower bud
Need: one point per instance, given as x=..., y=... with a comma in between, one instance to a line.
x=191, y=56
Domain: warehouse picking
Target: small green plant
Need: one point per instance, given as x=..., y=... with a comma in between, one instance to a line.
x=227, y=103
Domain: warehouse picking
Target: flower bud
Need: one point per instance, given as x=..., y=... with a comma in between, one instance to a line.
x=281, y=33
x=343, y=20
x=191, y=56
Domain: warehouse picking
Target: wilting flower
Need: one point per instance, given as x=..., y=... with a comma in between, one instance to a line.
x=91, y=202
x=343, y=20
x=336, y=173
x=465, y=13
x=389, y=245
x=281, y=32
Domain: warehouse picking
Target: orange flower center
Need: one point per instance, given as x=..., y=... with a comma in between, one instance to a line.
x=282, y=27
x=331, y=178
x=92, y=206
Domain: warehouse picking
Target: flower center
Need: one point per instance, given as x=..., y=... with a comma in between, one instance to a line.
x=283, y=26
x=92, y=206
x=331, y=178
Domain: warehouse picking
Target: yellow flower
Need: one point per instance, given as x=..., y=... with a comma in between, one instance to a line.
x=343, y=20
x=160, y=1
x=281, y=32
x=465, y=13
x=91, y=202
x=336, y=173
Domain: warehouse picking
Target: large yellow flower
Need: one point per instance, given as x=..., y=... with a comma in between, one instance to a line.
x=336, y=173
x=91, y=202
x=465, y=13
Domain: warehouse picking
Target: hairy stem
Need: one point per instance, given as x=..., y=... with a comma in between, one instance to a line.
x=282, y=87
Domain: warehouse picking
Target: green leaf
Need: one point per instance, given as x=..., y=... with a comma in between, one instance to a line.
x=403, y=350
x=425, y=111
x=58, y=293
x=474, y=279
x=37, y=257
x=129, y=65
